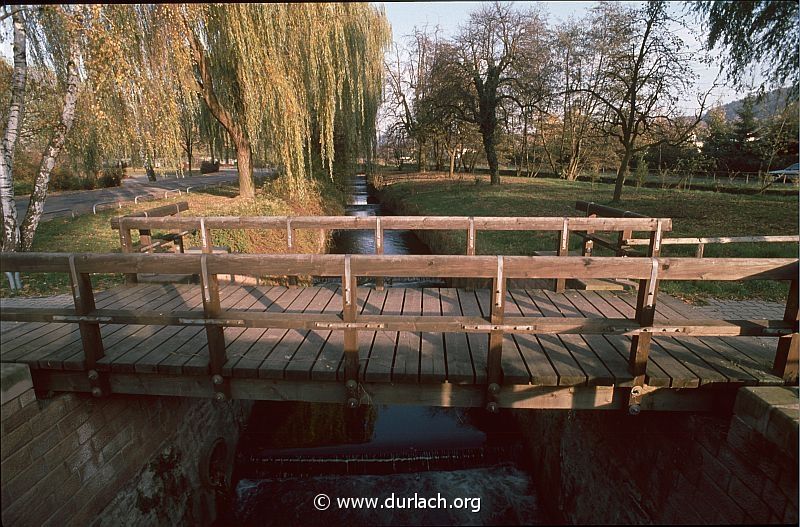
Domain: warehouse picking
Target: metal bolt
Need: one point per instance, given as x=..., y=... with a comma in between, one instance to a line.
x=97, y=392
x=217, y=379
x=219, y=396
x=494, y=388
x=351, y=385
x=634, y=409
x=492, y=407
x=636, y=391
x=352, y=403
x=93, y=375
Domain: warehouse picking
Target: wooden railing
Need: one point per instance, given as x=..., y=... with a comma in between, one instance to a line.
x=564, y=226
x=623, y=246
x=649, y=272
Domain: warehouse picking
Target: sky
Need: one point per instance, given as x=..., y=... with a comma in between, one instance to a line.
x=404, y=16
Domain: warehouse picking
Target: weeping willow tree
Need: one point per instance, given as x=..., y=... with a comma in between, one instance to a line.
x=279, y=78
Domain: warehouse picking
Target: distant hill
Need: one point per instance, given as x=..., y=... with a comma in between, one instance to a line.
x=763, y=109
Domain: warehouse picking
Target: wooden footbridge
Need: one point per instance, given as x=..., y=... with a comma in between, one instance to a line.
x=500, y=343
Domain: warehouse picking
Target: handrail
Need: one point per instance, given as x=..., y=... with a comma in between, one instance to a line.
x=649, y=271
x=404, y=222
x=702, y=241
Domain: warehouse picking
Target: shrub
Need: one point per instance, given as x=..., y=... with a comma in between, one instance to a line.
x=63, y=178
x=112, y=177
x=208, y=166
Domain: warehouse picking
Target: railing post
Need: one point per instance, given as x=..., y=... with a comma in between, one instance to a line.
x=205, y=237
x=91, y=339
x=494, y=362
x=787, y=355
x=588, y=245
x=563, y=250
x=290, y=247
x=378, y=250
x=645, y=314
x=127, y=247
x=146, y=239
x=322, y=241
x=349, y=310
x=700, y=248
x=215, y=334
x=471, y=237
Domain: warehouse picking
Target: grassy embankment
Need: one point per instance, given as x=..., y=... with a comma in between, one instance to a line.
x=694, y=213
x=93, y=233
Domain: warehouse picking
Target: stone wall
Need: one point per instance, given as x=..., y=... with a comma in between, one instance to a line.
x=609, y=467
x=76, y=460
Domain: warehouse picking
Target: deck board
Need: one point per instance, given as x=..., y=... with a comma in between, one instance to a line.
x=391, y=356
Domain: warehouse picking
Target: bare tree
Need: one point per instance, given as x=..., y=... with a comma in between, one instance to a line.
x=647, y=72
x=481, y=70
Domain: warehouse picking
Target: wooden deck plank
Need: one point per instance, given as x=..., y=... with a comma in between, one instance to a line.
x=407, y=356
x=192, y=356
x=381, y=358
x=276, y=362
x=459, y=360
x=268, y=344
x=240, y=342
x=596, y=369
x=23, y=339
x=608, y=304
x=250, y=355
x=717, y=368
x=566, y=369
x=729, y=354
x=373, y=305
x=118, y=334
x=515, y=370
x=9, y=336
x=615, y=351
x=68, y=346
x=146, y=357
x=432, y=366
x=478, y=343
x=126, y=353
x=306, y=355
x=330, y=357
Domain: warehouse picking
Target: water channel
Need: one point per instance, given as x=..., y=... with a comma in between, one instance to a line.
x=425, y=466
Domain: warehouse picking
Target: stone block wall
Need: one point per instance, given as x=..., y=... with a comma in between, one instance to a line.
x=76, y=460
x=609, y=467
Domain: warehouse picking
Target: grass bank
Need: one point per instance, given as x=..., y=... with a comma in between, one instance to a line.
x=694, y=213
x=93, y=233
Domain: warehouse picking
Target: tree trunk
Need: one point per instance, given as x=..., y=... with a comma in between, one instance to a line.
x=244, y=159
x=39, y=194
x=8, y=204
x=452, y=161
x=622, y=172
x=491, y=158
x=244, y=152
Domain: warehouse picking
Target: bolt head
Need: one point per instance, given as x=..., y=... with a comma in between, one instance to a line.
x=352, y=403
x=492, y=407
x=217, y=379
x=494, y=388
x=351, y=384
x=93, y=375
x=97, y=392
x=219, y=396
x=636, y=391
x=634, y=409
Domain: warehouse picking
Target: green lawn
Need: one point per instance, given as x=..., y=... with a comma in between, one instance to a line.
x=694, y=213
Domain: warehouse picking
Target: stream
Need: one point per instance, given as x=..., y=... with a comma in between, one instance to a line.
x=303, y=463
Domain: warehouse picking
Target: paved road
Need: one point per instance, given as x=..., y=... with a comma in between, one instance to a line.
x=67, y=203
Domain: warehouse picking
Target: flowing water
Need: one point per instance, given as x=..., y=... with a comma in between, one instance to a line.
x=297, y=462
